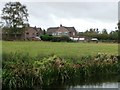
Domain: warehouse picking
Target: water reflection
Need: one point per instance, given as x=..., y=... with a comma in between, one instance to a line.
x=93, y=83
x=102, y=85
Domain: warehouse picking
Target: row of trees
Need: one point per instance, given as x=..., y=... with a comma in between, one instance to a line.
x=103, y=36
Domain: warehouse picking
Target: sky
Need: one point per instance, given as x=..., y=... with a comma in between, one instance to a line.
x=81, y=15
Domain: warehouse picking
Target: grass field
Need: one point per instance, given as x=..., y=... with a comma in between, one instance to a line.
x=59, y=48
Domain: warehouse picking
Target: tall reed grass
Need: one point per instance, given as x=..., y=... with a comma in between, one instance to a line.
x=20, y=70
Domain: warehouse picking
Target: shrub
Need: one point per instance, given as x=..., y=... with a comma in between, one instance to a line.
x=56, y=39
x=65, y=38
x=46, y=37
x=61, y=39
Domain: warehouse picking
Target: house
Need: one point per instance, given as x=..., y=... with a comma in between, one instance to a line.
x=61, y=31
x=9, y=34
x=27, y=33
x=32, y=32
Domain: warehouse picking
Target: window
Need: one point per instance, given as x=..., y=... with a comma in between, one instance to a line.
x=59, y=33
x=65, y=33
x=37, y=34
x=27, y=33
x=53, y=33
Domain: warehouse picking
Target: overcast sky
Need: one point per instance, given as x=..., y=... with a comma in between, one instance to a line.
x=81, y=15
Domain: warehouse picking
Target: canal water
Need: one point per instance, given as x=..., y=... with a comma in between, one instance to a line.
x=102, y=86
x=106, y=85
x=96, y=83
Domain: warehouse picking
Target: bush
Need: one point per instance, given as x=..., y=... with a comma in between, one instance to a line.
x=46, y=37
x=61, y=39
x=55, y=39
x=65, y=38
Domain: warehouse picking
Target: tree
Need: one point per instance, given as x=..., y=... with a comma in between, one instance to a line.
x=104, y=31
x=44, y=32
x=104, y=35
x=15, y=16
x=1, y=24
x=118, y=25
x=114, y=35
x=118, y=31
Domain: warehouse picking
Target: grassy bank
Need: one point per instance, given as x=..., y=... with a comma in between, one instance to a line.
x=62, y=49
x=22, y=70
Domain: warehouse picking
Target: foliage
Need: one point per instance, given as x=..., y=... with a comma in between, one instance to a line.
x=65, y=38
x=15, y=14
x=1, y=24
x=18, y=71
x=118, y=31
x=21, y=70
x=102, y=36
x=47, y=37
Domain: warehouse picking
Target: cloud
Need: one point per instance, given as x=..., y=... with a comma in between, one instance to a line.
x=106, y=11
x=81, y=15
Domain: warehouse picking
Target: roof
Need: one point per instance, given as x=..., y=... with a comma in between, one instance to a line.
x=54, y=29
x=39, y=30
x=71, y=29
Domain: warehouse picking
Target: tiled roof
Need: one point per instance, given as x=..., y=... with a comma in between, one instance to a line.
x=53, y=29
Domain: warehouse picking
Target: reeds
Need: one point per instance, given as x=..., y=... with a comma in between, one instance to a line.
x=21, y=70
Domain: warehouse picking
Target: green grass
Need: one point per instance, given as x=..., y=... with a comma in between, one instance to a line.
x=59, y=48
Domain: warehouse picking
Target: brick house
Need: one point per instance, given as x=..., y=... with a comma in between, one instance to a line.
x=32, y=32
x=62, y=30
x=23, y=34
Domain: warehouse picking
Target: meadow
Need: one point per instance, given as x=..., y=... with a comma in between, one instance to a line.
x=63, y=49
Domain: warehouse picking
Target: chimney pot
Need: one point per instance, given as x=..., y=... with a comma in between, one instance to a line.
x=60, y=25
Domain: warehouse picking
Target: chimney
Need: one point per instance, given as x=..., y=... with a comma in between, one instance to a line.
x=35, y=27
x=60, y=25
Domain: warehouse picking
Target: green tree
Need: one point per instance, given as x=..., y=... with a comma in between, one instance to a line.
x=15, y=16
x=118, y=31
x=104, y=31
x=118, y=25
x=44, y=32
x=114, y=35
x=1, y=24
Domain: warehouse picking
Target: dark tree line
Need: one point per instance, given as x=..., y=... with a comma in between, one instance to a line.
x=102, y=36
